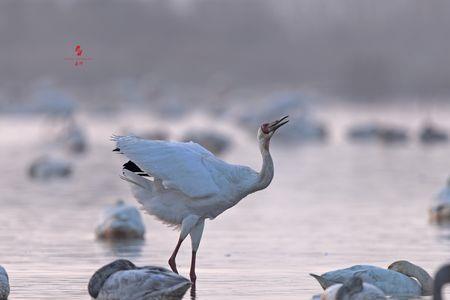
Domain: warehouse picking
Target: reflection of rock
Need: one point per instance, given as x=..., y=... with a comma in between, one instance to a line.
x=4, y=284
x=215, y=142
x=121, y=221
x=440, y=209
x=121, y=279
x=430, y=134
x=46, y=167
x=372, y=132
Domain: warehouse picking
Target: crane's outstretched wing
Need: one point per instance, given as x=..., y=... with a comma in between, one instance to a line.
x=179, y=165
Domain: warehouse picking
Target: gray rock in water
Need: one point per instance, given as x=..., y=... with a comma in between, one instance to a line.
x=121, y=279
x=121, y=221
x=4, y=284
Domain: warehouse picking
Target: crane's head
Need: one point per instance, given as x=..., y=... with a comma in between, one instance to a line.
x=266, y=130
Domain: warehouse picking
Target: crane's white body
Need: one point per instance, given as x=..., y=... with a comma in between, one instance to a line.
x=189, y=184
x=188, y=180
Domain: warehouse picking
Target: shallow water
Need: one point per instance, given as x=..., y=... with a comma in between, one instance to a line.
x=329, y=206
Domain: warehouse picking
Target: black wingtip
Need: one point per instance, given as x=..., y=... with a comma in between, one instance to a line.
x=131, y=166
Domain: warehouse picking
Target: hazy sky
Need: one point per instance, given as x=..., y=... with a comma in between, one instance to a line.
x=350, y=48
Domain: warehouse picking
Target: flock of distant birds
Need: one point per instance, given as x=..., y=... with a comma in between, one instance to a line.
x=123, y=221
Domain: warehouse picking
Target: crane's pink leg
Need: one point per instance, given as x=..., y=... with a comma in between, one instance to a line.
x=192, y=272
x=186, y=226
x=172, y=263
x=196, y=236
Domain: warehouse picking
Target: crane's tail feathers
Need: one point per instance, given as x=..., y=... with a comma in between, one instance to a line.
x=136, y=179
x=324, y=283
x=115, y=137
x=131, y=181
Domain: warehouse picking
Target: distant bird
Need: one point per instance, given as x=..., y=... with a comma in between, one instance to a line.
x=354, y=289
x=121, y=279
x=73, y=138
x=4, y=284
x=441, y=278
x=46, y=167
x=371, y=132
x=396, y=280
x=431, y=134
x=120, y=221
x=189, y=183
x=440, y=209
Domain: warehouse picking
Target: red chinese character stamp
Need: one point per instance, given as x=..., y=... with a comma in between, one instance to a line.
x=79, y=58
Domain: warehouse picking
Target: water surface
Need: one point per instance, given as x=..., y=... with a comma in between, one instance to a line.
x=329, y=206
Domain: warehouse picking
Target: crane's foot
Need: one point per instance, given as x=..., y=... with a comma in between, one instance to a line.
x=193, y=292
x=173, y=265
x=192, y=271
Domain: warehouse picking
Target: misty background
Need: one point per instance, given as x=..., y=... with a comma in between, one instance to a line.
x=353, y=49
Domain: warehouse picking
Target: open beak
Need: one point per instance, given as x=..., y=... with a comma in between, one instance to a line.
x=278, y=123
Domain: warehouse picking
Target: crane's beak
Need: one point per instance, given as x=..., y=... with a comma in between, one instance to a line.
x=278, y=123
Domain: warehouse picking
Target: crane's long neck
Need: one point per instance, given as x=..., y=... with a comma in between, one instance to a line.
x=425, y=280
x=441, y=278
x=266, y=174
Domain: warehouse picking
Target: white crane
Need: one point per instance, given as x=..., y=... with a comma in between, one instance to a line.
x=402, y=278
x=121, y=279
x=189, y=184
